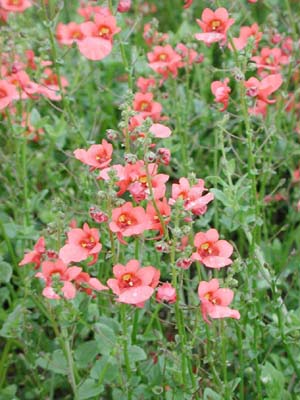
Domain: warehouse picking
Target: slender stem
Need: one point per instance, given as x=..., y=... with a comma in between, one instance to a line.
x=125, y=346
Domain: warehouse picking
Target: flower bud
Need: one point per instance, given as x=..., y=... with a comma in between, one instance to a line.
x=124, y=6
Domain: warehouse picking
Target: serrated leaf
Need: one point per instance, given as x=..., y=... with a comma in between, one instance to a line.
x=54, y=362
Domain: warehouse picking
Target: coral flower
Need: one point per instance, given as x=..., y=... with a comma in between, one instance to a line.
x=270, y=60
x=221, y=92
x=132, y=284
x=15, y=5
x=245, y=33
x=215, y=301
x=124, y=6
x=69, y=33
x=81, y=244
x=264, y=88
x=128, y=220
x=134, y=179
x=214, y=25
x=165, y=61
x=193, y=198
x=50, y=87
x=97, y=43
x=98, y=156
x=187, y=3
x=144, y=84
x=166, y=292
x=57, y=273
x=211, y=251
x=85, y=283
x=145, y=106
x=35, y=255
x=8, y=93
x=165, y=211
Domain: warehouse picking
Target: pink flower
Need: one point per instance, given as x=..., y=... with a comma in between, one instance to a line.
x=270, y=60
x=88, y=11
x=98, y=40
x=81, y=244
x=193, y=197
x=58, y=274
x=245, y=33
x=15, y=5
x=85, y=283
x=124, y=6
x=264, y=88
x=144, y=84
x=49, y=86
x=187, y=3
x=189, y=56
x=160, y=131
x=8, y=93
x=165, y=212
x=69, y=33
x=214, y=25
x=133, y=285
x=211, y=251
x=25, y=87
x=221, y=92
x=98, y=156
x=164, y=61
x=164, y=156
x=143, y=103
x=128, y=220
x=134, y=179
x=215, y=301
x=166, y=292
x=35, y=255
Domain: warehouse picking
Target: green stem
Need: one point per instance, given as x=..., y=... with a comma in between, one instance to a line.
x=125, y=347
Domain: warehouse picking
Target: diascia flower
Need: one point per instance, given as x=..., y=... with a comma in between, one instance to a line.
x=221, y=92
x=270, y=60
x=133, y=284
x=128, y=220
x=261, y=90
x=145, y=106
x=35, y=256
x=98, y=156
x=81, y=244
x=58, y=274
x=166, y=292
x=211, y=251
x=98, y=39
x=215, y=301
x=165, y=61
x=193, y=196
x=8, y=93
x=15, y=5
x=245, y=33
x=214, y=25
x=187, y=3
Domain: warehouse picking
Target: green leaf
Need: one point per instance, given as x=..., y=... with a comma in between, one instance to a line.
x=13, y=326
x=136, y=353
x=105, y=338
x=89, y=389
x=210, y=394
x=5, y=272
x=219, y=195
x=85, y=353
x=105, y=369
x=55, y=362
x=273, y=381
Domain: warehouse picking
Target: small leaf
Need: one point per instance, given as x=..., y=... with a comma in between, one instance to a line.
x=89, y=389
x=5, y=272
